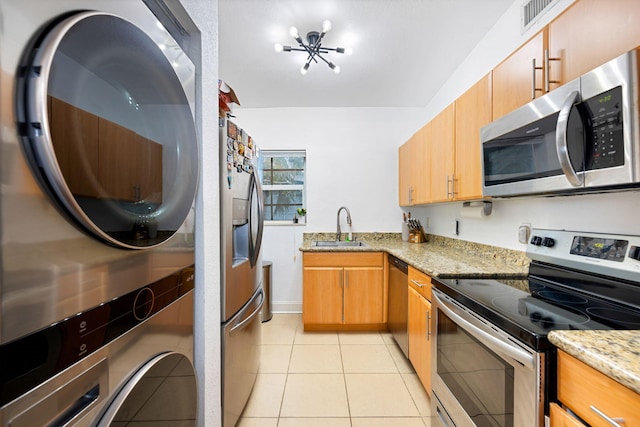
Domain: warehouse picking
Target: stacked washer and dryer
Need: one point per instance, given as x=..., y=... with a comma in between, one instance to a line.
x=98, y=174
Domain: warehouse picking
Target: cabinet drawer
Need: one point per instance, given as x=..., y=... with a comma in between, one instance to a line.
x=561, y=418
x=585, y=390
x=420, y=282
x=343, y=259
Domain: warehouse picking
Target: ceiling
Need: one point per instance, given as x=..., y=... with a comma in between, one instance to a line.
x=403, y=50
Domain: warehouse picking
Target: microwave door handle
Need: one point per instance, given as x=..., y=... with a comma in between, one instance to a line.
x=496, y=344
x=561, y=141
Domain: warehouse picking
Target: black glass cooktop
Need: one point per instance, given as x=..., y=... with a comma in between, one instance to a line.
x=550, y=299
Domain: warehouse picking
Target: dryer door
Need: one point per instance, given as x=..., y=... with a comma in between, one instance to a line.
x=106, y=119
x=162, y=392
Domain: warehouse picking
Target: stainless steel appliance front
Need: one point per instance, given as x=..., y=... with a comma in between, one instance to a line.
x=582, y=136
x=95, y=91
x=398, y=303
x=481, y=375
x=96, y=199
x=242, y=222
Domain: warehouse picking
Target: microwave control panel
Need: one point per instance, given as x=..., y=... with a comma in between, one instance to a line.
x=605, y=117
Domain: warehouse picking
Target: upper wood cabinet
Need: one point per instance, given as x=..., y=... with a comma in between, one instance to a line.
x=590, y=33
x=130, y=164
x=441, y=146
x=473, y=111
x=102, y=159
x=513, y=79
x=413, y=167
x=74, y=135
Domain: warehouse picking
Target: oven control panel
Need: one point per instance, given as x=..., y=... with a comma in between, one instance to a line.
x=609, y=254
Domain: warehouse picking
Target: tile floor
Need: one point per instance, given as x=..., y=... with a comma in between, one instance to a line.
x=318, y=379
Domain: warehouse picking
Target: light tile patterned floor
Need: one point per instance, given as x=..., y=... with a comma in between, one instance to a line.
x=318, y=379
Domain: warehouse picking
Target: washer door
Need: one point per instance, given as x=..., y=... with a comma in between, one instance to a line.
x=161, y=393
x=108, y=128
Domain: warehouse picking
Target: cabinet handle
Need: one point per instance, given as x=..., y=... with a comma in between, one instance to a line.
x=428, y=325
x=546, y=70
x=410, y=195
x=534, y=89
x=451, y=190
x=613, y=421
x=418, y=284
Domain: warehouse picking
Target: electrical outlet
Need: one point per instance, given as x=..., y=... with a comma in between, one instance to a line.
x=524, y=231
x=426, y=222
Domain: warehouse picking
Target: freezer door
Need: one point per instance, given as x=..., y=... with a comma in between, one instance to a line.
x=241, y=340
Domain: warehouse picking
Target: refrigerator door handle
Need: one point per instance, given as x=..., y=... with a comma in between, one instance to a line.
x=255, y=244
x=242, y=320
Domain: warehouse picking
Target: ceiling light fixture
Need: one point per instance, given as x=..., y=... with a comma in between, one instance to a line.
x=313, y=47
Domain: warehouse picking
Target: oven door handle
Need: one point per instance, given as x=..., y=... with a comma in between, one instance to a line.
x=496, y=344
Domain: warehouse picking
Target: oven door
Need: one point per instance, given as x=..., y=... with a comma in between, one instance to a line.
x=482, y=376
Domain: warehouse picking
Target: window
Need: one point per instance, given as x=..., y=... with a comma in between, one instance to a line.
x=283, y=183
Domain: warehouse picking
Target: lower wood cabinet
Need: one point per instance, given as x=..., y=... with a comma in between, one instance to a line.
x=592, y=396
x=419, y=325
x=344, y=290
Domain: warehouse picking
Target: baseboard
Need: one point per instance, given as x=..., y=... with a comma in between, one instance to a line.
x=286, y=307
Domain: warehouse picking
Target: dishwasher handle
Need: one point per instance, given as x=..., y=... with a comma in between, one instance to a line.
x=399, y=264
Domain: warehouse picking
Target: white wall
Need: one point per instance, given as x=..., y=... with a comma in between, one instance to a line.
x=352, y=158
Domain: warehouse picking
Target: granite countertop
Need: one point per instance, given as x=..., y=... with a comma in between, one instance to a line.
x=438, y=256
x=614, y=353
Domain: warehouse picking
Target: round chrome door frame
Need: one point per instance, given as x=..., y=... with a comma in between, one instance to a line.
x=33, y=115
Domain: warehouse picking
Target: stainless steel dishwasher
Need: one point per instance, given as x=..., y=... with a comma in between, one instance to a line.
x=398, y=300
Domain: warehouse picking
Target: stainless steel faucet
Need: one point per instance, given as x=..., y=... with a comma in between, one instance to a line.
x=338, y=231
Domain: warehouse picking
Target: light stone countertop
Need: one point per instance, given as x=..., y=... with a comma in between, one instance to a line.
x=614, y=353
x=438, y=257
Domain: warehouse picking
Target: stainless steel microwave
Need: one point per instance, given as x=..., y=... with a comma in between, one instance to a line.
x=581, y=137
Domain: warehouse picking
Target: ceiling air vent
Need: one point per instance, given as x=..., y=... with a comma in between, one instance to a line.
x=532, y=10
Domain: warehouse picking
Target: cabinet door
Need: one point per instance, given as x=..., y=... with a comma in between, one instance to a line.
x=74, y=134
x=418, y=326
x=513, y=78
x=405, y=184
x=149, y=159
x=363, y=295
x=322, y=295
x=441, y=148
x=473, y=111
x=118, y=169
x=421, y=167
x=610, y=28
x=580, y=388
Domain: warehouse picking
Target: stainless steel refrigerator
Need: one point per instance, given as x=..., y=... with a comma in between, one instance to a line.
x=241, y=218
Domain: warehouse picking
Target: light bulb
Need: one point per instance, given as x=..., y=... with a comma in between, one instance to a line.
x=278, y=47
x=304, y=69
x=348, y=51
x=293, y=31
x=326, y=25
x=336, y=69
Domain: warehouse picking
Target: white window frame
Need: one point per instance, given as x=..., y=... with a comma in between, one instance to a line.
x=287, y=187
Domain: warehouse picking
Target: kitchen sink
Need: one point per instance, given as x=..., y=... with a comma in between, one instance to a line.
x=335, y=244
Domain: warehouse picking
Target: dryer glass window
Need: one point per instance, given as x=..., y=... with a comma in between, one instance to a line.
x=110, y=129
